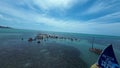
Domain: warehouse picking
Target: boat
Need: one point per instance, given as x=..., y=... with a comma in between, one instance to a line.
x=95, y=50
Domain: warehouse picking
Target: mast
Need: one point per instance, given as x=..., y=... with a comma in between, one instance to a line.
x=93, y=42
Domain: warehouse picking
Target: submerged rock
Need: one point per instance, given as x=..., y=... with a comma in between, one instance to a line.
x=30, y=40
x=38, y=42
x=22, y=39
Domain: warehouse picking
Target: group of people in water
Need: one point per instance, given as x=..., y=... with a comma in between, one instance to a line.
x=44, y=37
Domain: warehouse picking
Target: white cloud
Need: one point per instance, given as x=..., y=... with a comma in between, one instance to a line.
x=64, y=25
x=56, y=4
x=31, y=16
x=96, y=8
x=5, y=18
x=102, y=5
x=107, y=18
x=1, y=16
x=58, y=23
x=108, y=29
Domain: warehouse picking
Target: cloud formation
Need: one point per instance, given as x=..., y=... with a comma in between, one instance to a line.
x=103, y=5
x=53, y=4
x=81, y=16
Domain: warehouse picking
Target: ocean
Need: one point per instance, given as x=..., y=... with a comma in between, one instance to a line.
x=17, y=52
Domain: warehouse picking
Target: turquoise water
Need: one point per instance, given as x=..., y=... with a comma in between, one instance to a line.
x=53, y=53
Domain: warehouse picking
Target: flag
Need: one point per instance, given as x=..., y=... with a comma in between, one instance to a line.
x=107, y=59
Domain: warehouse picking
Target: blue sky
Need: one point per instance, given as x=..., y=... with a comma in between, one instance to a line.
x=78, y=16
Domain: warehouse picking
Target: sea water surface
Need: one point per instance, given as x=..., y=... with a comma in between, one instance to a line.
x=52, y=53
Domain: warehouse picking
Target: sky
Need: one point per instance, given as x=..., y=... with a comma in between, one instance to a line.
x=76, y=16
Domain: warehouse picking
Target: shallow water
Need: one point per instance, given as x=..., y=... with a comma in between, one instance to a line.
x=53, y=53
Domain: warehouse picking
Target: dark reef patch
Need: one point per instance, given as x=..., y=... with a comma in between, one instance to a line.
x=43, y=56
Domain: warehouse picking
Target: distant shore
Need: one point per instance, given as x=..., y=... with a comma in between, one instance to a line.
x=5, y=27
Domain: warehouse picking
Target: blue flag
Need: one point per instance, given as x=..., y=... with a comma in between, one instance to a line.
x=107, y=59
